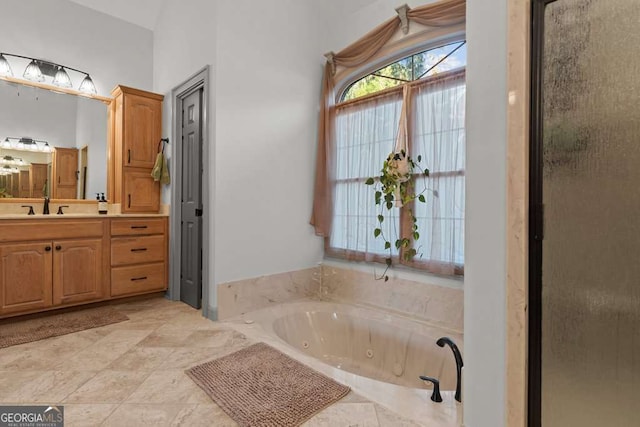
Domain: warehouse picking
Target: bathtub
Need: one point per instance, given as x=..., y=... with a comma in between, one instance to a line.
x=378, y=354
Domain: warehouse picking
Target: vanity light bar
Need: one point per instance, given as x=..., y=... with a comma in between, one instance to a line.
x=25, y=144
x=38, y=68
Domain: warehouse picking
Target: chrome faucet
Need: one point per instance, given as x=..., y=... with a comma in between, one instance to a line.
x=456, y=354
x=45, y=208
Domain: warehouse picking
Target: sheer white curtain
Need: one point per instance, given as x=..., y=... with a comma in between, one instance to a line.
x=438, y=134
x=365, y=135
x=366, y=132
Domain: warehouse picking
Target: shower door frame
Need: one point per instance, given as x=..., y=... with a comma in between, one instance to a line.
x=536, y=215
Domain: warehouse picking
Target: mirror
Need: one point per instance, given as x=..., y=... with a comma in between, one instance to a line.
x=75, y=129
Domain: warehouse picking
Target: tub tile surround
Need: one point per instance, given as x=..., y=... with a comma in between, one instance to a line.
x=436, y=305
x=140, y=379
x=242, y=296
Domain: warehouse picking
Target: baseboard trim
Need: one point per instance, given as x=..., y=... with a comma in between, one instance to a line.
x=212, y=313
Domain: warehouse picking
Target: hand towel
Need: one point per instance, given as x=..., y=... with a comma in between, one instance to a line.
x=160, y=171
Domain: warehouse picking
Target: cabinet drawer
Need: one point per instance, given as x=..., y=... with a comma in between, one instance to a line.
x=137, y=250
x=49, y=229
x=137, y=279
x=137, y=226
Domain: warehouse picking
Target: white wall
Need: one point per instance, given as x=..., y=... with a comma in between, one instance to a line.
x=111, y=50
x=37, y=113
x=266, y=69
x=485, y=264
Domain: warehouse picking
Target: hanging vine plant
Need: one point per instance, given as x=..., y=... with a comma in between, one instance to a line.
x=394, y=189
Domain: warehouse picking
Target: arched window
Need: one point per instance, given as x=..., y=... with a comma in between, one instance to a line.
x=414, y=67
x=366, y=128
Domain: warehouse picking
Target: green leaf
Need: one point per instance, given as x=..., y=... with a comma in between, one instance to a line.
x=386, y=278
x=369, y=181
x=389, y=205
x=416, y=235
x=398, y=243
x=380, y=218
x=388, y=261
x=421, y=198
x=426, y=172
x=419, y=158
x=376, y=232
x=405, y=242
x=387, y=245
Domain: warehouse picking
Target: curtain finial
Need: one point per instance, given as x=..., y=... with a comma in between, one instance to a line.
x=404, y=20
x=331, y=61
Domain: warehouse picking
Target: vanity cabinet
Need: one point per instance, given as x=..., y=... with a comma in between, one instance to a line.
x=46, y=263
x=25, y=277
x=136, y=127
x=138, y=255
x=64, y=173
x=77, y=270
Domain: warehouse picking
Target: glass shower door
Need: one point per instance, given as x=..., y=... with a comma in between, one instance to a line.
x=590, y=314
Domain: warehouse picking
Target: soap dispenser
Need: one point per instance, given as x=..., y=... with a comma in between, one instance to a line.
x=102, y=204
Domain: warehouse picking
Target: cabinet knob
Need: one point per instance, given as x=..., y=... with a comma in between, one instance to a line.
x=47, y=248
x=58, y=247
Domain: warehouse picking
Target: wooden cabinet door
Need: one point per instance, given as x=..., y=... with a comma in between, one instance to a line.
x=39, y=179
x=15, y=184
x=65, y=173
x=77, y=271
x=24, y=188
x=25, y=277
x=141, y=192
x=142, y=129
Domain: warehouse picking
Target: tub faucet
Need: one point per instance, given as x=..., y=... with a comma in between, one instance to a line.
x=456, y=354
x=45, y=208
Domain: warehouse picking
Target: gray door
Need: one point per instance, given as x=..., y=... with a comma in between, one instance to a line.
x=591, y=245
x=191, y=201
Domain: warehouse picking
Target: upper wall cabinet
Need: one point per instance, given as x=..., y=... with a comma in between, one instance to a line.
x=142, y=129
x=136, y=118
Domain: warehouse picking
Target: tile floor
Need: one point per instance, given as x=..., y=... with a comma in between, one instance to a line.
x=132, y=373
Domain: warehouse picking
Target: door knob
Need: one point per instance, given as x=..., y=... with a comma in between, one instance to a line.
x=47, y=248
x=58, y=247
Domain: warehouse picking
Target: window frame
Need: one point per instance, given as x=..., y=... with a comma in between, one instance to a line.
x=405, y=223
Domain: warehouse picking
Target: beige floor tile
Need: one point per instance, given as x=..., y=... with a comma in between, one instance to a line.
x=172, y=386
x=50, y=387
x=186, y=357
x=141, y=359
x=132, y=373
x=345, y=415
x=108, y=387
x=205, y=415
x=134, y=415
x=387, y=418
x=87, y=415
x=165, y=338
x=210, y=338
x=12, y=380
x=103, y=352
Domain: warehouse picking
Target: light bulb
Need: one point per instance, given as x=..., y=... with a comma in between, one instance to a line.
x=87, y=86
x=33, y=72
x=5, y=68
x=62, y=79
